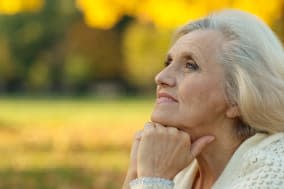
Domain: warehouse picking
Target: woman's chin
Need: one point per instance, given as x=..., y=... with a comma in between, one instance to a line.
x=161, y=117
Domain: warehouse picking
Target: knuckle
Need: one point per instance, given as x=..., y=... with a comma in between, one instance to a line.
x=161, y=129
x=148, y=132
x=138, y=135
x=172, y=131
x=184, y=136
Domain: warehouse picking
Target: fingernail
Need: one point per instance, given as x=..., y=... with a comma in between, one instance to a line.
x=210, y=139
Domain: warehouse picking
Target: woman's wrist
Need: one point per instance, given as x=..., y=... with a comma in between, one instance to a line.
x=130, y=175
x=132, y=172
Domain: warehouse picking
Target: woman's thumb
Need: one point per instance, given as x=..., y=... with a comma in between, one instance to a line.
x=198, y=145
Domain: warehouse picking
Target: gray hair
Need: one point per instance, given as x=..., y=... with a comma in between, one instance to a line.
x=253, y=59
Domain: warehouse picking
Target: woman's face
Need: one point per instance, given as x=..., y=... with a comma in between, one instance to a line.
x=190, y=89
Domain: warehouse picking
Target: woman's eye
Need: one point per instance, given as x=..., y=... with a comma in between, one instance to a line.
x=166, y=63
x=191, y=66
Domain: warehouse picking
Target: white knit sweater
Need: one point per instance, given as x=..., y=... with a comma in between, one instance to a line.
x=257, y=164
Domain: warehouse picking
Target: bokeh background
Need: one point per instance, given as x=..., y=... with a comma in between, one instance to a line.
x=76, y=82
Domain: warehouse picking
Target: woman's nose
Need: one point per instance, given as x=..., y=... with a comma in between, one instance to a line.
x=165, y=78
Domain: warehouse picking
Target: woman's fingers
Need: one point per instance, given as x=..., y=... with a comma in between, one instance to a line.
x=138, y=135
x=135, y=145
x=132, y=169
x=148, y=127
x=162, y=151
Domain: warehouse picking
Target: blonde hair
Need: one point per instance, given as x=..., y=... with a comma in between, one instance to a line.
x=253, y=59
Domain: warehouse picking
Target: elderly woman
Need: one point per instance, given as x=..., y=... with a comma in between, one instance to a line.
x=218, y=120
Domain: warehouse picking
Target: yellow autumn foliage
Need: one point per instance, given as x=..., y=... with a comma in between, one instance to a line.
x=15, y=6
x=169, y=14
x=163, y=13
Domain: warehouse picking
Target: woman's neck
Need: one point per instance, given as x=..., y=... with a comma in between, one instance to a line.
x=213, y=160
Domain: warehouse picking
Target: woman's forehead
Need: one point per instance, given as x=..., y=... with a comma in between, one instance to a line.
x=204, y=43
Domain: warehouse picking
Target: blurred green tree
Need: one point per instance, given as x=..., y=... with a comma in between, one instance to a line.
x=91, y=56
x=144, y=50
x=30, y=35
x=53, y=49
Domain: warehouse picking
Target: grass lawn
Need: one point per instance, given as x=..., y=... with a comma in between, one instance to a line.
x=67, y=143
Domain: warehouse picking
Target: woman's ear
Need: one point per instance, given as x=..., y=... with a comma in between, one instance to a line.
x=233, y=111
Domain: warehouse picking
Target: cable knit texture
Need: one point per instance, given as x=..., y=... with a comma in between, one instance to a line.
x=257, y=164
x=263, y=168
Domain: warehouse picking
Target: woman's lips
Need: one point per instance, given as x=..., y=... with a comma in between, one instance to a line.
x=165, y=98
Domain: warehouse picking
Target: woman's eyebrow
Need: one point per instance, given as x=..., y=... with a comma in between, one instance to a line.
x=184, y=55
x=187, y=55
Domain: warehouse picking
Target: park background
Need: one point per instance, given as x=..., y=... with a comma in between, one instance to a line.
x=77, y=81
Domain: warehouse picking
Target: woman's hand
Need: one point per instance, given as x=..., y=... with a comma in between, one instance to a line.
x=164, y=151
